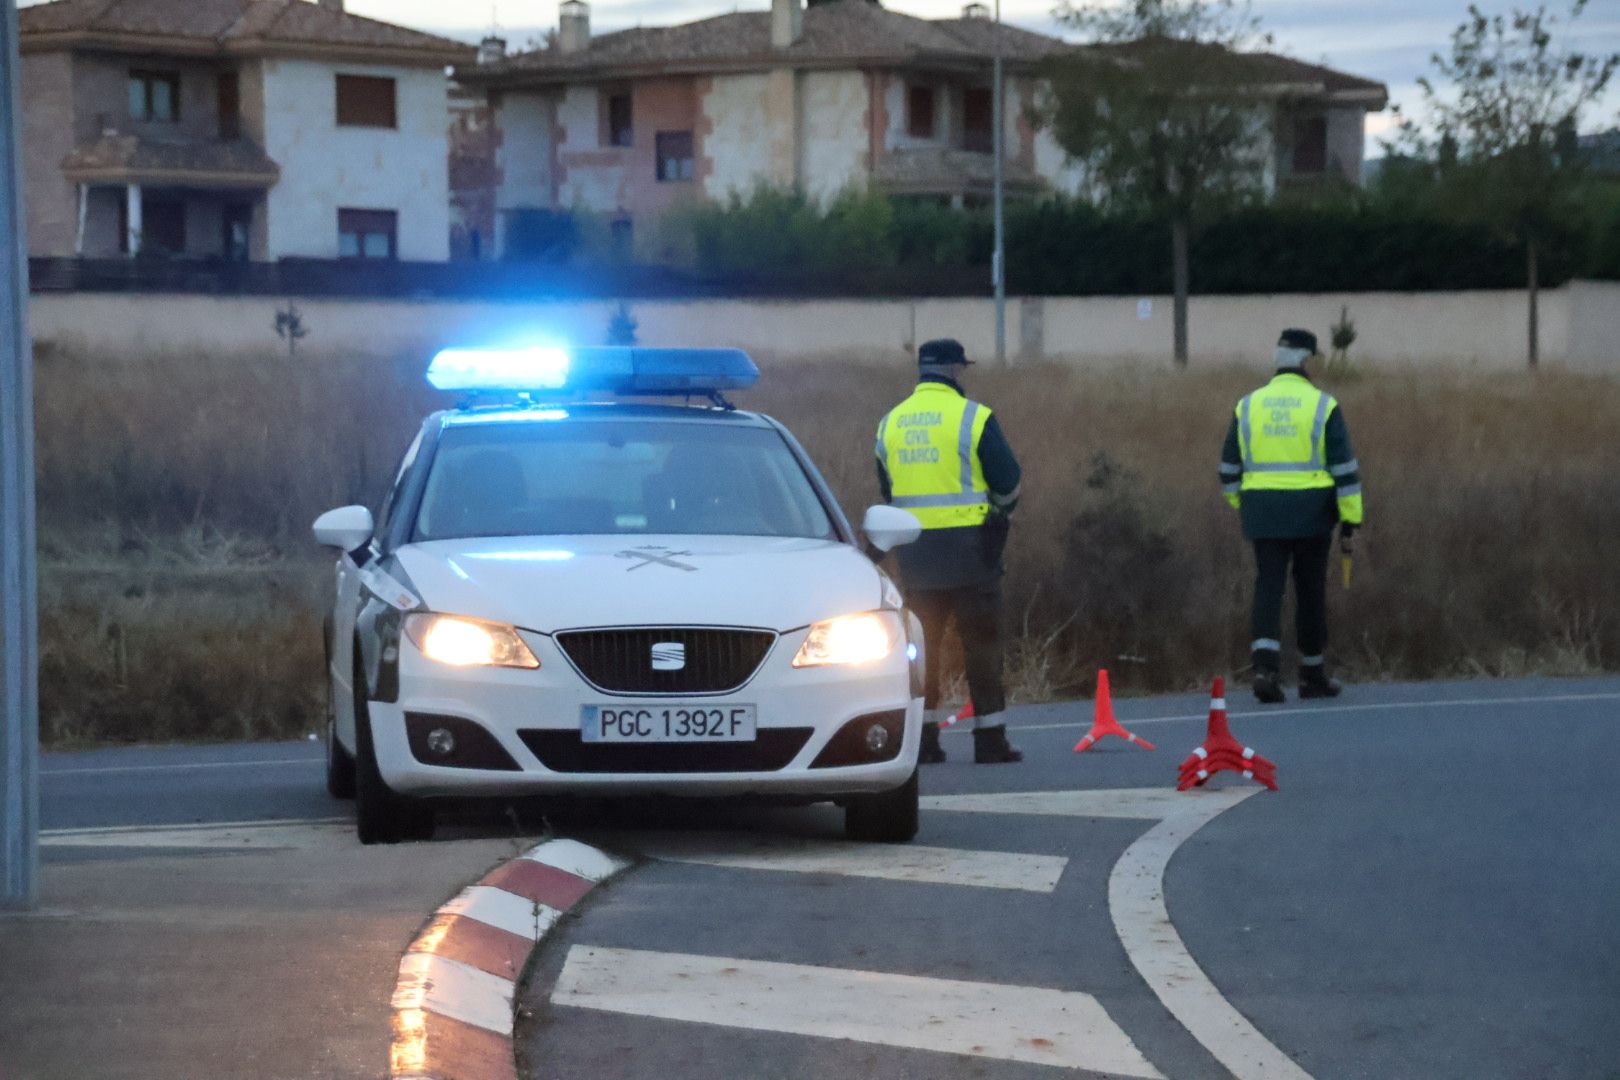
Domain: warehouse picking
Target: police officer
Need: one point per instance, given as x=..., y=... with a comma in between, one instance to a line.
x=1288, y=468
x=943, y=457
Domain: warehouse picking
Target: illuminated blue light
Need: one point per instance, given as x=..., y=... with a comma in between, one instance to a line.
x=911, y=652
x=508, y=416
x=613, y=370
x=500, y=369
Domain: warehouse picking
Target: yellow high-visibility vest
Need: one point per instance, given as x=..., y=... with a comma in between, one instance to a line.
x=1282, y=432
x=929, y=445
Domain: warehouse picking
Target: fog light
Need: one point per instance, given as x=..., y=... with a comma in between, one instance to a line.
x=441, y=742
x=877, y=737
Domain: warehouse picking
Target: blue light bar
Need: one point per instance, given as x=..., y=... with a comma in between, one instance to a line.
x=617, y=370
x=499, y=369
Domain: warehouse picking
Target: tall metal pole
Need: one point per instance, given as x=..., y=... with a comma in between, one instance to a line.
x=998, y=261
x=19, y=705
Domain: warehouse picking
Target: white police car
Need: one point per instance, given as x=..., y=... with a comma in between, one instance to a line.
x=563, y=595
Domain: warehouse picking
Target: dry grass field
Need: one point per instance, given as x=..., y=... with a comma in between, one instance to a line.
x=181, y=592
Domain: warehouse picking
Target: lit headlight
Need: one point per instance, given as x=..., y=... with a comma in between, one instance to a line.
x=851, y=639
x=461, y=642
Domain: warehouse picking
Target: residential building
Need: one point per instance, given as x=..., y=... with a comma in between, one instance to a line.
x=844, y=95
x=233, y=129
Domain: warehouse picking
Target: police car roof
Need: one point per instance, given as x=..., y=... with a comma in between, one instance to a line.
x=600, y=410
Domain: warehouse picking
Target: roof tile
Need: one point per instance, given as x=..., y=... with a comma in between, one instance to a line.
x=285, y=22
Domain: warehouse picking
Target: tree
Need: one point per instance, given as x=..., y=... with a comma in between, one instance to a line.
x=1162, y=112
x=1502, y=125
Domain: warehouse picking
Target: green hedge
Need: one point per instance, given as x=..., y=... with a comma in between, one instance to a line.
x=1062, y=247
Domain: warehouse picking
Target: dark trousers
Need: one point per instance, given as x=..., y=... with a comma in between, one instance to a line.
x=1309, y=558
x=976, y=610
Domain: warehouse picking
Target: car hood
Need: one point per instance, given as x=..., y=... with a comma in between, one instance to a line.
x=557, y=583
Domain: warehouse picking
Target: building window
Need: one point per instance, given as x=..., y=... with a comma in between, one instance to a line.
x=1310, y=145
x=163, y=226
x=368, y=234
x=920, y=112
x=675, y=161
x=228, y=92
x=236, y=241
x=154, y=96
x=978, y=120
x=365, y=101
x=620, y=132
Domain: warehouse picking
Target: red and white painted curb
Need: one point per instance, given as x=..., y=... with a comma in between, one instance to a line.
x=453, y=1000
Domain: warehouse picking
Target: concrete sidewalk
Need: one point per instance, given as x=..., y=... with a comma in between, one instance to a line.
x=256, y=952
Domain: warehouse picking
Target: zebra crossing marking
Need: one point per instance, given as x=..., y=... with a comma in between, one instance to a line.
x=1062, y=1028
x=894, y=862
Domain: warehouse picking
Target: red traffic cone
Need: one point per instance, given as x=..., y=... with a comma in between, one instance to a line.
x=1103, y=722
x=965, y=713
x=1220, y=750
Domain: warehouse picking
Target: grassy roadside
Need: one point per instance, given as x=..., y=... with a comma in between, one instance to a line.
x=181, y=594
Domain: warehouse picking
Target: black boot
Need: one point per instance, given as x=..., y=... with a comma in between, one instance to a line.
x=1268, y=687
x=1315, y=682
x=990, y=747
x=931, y=753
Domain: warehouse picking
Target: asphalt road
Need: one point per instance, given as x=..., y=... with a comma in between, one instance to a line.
x=1432, y=894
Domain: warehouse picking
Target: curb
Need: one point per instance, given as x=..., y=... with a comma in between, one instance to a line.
x=453, y=1001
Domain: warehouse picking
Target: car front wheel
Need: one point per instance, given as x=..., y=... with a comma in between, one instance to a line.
x=340, y=772
x=383, y=816
x=886, y=818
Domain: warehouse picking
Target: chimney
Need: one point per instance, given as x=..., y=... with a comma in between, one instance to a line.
x=332, y=5
x=976, y=11
x=787, y=23
x=573, y=26
x=491, y=49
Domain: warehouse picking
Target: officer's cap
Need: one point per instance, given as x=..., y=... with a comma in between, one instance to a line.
x=1298, y=339
x=942, y=352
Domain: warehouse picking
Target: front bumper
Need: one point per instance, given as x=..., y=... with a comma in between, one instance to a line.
x=535, y=715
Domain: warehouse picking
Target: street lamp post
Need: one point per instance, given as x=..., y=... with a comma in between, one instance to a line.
x=998, y=260
x=19, y=707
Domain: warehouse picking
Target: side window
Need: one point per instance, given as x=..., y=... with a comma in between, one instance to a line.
x=391, y=500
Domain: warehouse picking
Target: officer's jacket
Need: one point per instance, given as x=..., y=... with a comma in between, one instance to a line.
x=944, y=457
x=1287, y=465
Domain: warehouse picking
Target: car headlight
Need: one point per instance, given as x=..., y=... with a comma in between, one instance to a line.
x=850, y=639
x=463, y=642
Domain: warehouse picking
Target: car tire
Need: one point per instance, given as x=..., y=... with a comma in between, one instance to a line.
x=339, y=762
x=887, y=818
x=382, y=815
x=340, y=778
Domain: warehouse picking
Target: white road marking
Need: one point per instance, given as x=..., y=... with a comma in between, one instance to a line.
x=1140, y=803
x=990, y=1020
x=109, y=769
x=233, y=835
x=573, y=857
x=1320, y=710
x=503, y=910
x=450, y=988
x=894, y=862
x=1136, y=903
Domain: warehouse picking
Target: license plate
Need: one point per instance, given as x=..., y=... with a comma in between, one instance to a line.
x=666, y=723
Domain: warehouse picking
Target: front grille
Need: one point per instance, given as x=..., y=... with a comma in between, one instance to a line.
x=621, y=661
x=566, y=752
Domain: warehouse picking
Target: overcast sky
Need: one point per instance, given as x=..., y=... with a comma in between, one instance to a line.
x=1387, y=40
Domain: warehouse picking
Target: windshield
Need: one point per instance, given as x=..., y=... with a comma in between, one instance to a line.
x=540, y=478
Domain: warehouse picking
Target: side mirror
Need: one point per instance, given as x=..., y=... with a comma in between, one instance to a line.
x=889, y=527
x=346, y=528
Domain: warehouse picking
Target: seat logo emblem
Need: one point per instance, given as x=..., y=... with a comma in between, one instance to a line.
x=668, y=656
